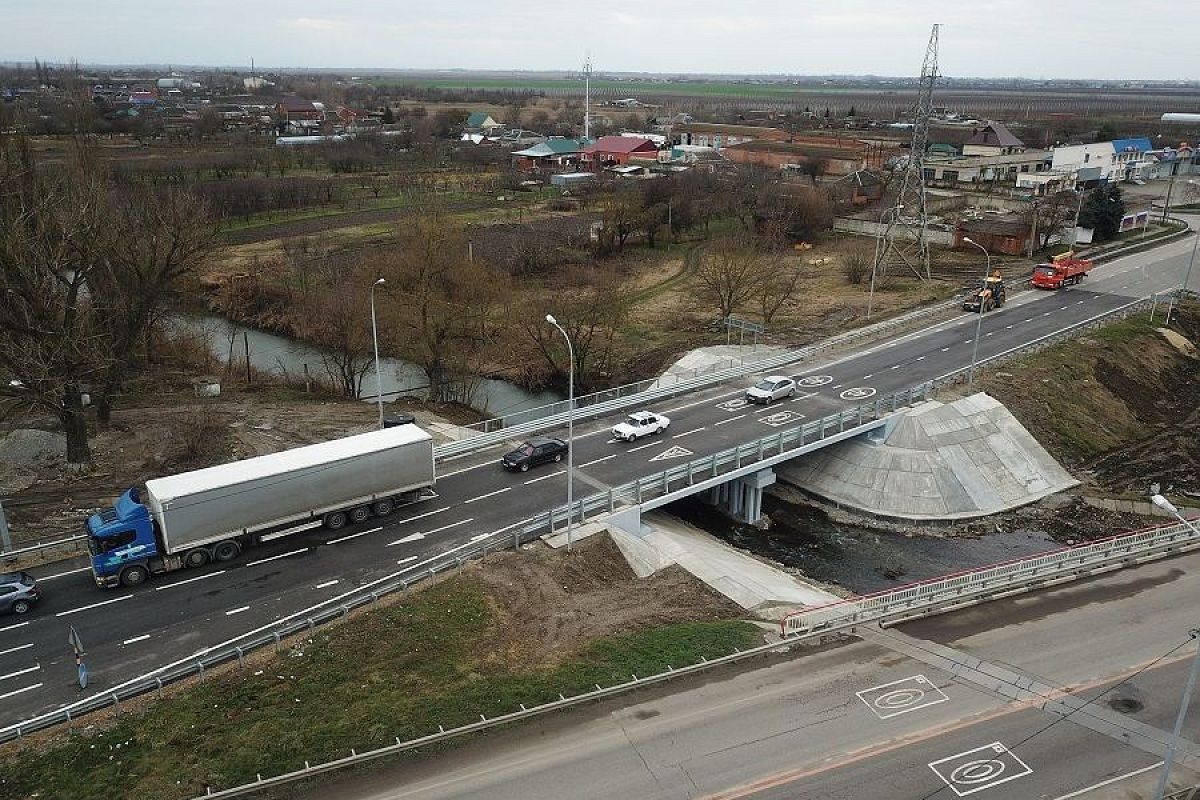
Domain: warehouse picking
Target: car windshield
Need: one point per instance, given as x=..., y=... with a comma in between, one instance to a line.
x=524, y=450
x=1045, y=270
x=766, y=386
x=632, y=420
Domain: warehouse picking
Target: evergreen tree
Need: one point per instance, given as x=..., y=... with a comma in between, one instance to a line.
x=1102, y=212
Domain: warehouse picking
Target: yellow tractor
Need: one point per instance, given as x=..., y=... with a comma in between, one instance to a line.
x=989, y=295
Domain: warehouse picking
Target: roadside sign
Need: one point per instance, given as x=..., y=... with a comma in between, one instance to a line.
x=75, y=642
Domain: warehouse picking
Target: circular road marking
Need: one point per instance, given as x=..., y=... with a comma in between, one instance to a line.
x=858, y=393
x=981, y=770
x=814, y=380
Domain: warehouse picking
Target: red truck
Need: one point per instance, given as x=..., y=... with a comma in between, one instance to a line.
x=1063, y=270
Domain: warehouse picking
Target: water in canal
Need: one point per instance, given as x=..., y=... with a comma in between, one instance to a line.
x=280, y=355
x=860, y=559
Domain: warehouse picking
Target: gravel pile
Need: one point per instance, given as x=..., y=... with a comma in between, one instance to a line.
x=26, y=447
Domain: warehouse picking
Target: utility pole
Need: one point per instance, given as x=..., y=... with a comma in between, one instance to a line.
x=587, y=98
x=5, y=535
x=906, y=239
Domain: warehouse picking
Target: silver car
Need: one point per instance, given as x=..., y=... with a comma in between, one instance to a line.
x=18, y=592
x=772, y=387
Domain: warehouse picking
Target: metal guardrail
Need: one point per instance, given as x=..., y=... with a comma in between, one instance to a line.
x=484, y=723
x=1021, y=574
x=512, y=537
x=665, y=386
x=499, y=429
x=76, y=543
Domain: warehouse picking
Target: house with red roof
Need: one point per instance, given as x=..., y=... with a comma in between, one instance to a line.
x=609, y=151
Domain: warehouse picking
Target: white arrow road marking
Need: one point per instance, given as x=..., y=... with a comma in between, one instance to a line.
x=412, y=537
x=673, y=452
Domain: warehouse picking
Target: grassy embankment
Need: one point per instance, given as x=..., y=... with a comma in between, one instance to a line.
x=398, y=671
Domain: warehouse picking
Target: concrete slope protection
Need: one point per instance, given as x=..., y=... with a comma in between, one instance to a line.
x=128, y=632
x=939, y=461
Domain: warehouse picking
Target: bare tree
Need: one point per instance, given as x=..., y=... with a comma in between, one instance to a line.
x=779, y=284
x=51, y=340
x=589, y=305
x=1051, y=215
x=731, y=271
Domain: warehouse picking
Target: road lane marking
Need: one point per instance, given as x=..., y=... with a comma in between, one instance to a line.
x=412, y=537
x=1079, y=303
x=479, y=536
x=1029, y=319
x=276, y=558
x=840, y=385
x=188, y=580
x=598, y=460
x=489, y=494
x=900, y=697
x=141, y=638
x=93, y=605
x=61, y=574
x=687, y=433
x=451, y=525
x=406, y=560
x=353, y=535
x=730, y=419
x=10, y=627
x=19, y=672
x=1064, y=308
x=1110, y=781
x=1008, y=327
x=644, y=446
x=544, y=477
x=895, y=366
x=327, y=584
x=922, y=358
x=423, y=516
x=15, y=649
x=465, y=469
x=19, y=691
x=872, y=375
x=944, y=349
x=233, y=611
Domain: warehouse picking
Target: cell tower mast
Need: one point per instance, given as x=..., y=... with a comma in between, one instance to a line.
x=587, y=98
x=905, y=241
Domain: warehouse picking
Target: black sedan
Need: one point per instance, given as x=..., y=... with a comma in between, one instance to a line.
x=534, y=452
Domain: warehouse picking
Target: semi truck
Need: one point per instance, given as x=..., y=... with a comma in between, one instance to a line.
x=989, y=295
x=193, y=518
x=1063, y=270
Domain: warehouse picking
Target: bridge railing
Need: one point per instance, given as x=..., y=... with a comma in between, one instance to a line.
x=1022, y=574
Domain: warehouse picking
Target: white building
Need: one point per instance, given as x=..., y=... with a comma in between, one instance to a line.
x=1118, y=160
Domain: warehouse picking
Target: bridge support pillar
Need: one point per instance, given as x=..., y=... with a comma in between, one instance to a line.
x=741, y=498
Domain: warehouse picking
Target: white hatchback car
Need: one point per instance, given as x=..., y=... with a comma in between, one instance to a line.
x=640, y=423
x=772, y=387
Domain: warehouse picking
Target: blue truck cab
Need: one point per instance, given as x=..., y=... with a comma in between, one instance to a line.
x=122, y=542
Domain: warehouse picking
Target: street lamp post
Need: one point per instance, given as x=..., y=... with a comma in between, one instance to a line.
x=570, y=423
x=1078, y=211
x=375, y=341
x=875, y=262
x=979, y=319
x=1187, y=275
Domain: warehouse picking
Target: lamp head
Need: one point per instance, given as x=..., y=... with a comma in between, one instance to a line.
x=550, y=318
x=968, y=240
x=381, y=282
x=1164, y=504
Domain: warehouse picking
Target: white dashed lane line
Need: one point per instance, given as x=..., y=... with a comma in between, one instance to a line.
x=919, y=358
x=20, y=672
x=407, y=560
x=544, y=477
x=687, y=433
x=135, y=639
x=15, y=649
x=598, y=460
x=644, y=446
x=731, y=419
x=7, y=695
x=944, y=349
x=10, y=627
x=489, y=494
x=233, y=611
x=451, y=525
x=189, y=580
x=353, y=536
x=276, y=558
x=61, y=574
x=327, y=584
x=93, y=605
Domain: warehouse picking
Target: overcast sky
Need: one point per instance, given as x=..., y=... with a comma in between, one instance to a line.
x=979, y=38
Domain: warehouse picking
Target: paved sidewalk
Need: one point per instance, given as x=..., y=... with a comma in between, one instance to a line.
x=751, y=583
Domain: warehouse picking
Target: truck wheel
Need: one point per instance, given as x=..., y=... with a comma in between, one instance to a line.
x=134, y=576
x=227, y=550
x=360, y=514
x=335, y=521
x=196, y=558
x=384, y=507
x=20, y=607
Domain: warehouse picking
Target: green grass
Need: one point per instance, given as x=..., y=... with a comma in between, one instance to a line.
x=624, y=88
x=398, y=671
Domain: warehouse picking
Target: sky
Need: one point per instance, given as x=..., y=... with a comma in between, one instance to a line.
x=1087, y=39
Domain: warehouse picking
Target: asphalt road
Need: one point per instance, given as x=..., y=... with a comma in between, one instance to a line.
x=846, y=723
x=128, y=632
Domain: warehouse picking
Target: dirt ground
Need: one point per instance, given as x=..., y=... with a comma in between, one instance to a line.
x=592, y=593
x=1119, y=408
x=177, y=433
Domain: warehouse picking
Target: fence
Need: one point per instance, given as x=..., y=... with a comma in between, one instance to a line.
x=1022, y=574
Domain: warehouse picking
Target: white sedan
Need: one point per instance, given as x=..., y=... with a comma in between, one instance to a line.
x=640, y=423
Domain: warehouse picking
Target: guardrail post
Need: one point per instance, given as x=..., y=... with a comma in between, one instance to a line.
x=612, y=504
x=841, y=422
x=821, y=435
x=637, y=485
x=779, y=444
x=713, y=468
x=762, y=443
